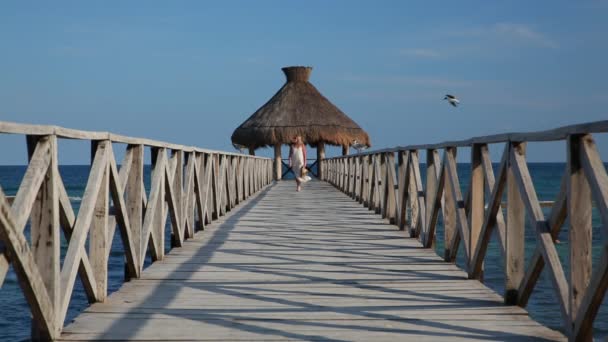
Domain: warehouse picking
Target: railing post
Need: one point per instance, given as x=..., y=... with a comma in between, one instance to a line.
x=360, y=178
x=134, y=192
x=382, y=185
x=158, y=226
x=189, y=195
x=45, y=236
x=352, y=177
x=373, y=181
x=449, y=212
x=515, y=231
x=430, y=189
x=402, y=194
x=355, y=194
x=99, y=240
x=580, y=234
x=416, y=196
x=177, y=162
x=476, y=213
x=368, y=180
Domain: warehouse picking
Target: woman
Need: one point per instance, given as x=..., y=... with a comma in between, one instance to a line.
x=297, y=160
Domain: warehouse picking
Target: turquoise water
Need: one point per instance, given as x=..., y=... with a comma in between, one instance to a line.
x=14, y=312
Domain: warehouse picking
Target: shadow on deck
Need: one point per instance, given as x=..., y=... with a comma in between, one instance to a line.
x=312, y=265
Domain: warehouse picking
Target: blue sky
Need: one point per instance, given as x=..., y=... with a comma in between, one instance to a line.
x=191, y=71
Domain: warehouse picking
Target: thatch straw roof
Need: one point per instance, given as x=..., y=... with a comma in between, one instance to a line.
x=298, y=108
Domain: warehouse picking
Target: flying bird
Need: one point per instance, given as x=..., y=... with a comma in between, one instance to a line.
x=359, y=146
x=238, y=147
x=452, y=100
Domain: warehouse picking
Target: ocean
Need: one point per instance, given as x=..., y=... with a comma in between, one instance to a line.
x=15, y=314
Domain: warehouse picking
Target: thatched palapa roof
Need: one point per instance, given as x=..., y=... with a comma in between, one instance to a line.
x=298, y=108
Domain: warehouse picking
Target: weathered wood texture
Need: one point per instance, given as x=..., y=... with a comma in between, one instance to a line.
x=470, y=220
x=330, y=271
x=112, y=199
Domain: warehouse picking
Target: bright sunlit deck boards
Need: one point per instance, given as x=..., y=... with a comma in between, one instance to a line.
x=313, y=265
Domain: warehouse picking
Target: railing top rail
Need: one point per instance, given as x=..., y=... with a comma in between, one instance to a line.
x=68, y=133
x=555, y=134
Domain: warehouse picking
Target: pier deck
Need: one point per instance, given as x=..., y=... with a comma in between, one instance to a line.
x=313, y=265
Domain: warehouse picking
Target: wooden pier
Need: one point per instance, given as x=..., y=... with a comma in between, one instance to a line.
x=331, y=272
x=254, y=260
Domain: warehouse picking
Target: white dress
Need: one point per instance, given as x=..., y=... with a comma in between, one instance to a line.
x=297, y=162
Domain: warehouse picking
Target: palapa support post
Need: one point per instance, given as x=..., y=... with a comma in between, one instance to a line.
x=344, y=150
x=320, y=158
x=252, y=151
x=277, y=162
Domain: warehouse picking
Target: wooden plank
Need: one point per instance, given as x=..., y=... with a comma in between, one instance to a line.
x=477, y=210
x=373, y=181
x=356, y=178
x=28, y=275
x=491, y=217
x=44, y=230
x=403, y=161
x=123, y=220
x=207, y=191
x=418, y=193
x=178, y=188
x=188, y=199
x=134, y=192
x=596, y=175
x=434, y=197
x=82, y=225
x=592, y=300
x=148, y=229
x=490, y=184
x=26, y=194
x=391, y=182
x=215, y=186
x=369, y=180
x=598, y=283
x=557, y=217
x=515, y=233
x=580, y=230
x=67, y=220
x=61, y=132
x=200, y=199
x=99, y=244
x=462, y=225
x=450, y=233
x=543, y=232
x=125, y=168
x=171, y=195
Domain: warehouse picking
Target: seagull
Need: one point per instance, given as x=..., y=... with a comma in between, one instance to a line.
x=359, y=146
x=239, y=147
x=452, y=100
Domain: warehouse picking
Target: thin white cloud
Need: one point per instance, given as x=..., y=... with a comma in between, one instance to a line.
x=420, y=52
x=513, y=32
x=407, y=80
x=524, y=33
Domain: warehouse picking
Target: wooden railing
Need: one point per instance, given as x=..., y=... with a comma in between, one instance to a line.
x=395, y=190
x=191, y=186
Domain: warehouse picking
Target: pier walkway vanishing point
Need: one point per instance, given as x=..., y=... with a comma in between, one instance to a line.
x=255, y=260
